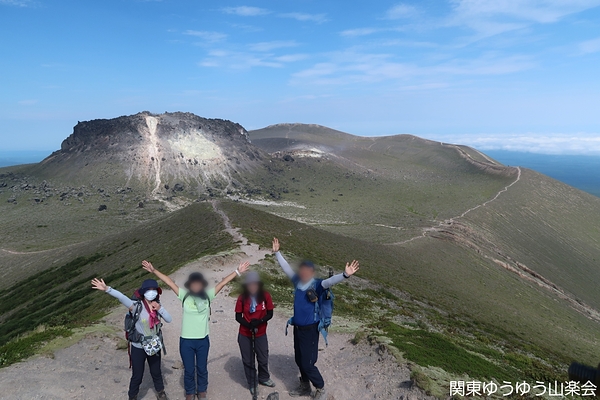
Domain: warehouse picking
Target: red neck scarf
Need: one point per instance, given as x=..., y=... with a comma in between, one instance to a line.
x=153, y=320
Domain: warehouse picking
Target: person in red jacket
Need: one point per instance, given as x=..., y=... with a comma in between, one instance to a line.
x=254, y=308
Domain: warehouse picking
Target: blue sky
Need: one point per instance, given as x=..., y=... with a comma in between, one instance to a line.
x=511, y=74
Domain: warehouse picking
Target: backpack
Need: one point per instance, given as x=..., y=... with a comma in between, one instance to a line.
x=131, y=334
x=323, y=310
x=131, y=318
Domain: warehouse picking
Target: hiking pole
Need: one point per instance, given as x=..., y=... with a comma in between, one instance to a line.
x=255, y=391
x=271, y=396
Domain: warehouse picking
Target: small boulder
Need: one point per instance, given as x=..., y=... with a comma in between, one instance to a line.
x=102, y=207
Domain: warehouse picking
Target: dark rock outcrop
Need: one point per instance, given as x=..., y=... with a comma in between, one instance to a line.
x=150, y=150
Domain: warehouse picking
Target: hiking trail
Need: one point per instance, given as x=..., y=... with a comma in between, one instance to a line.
x=449, y=221
x=94, y=369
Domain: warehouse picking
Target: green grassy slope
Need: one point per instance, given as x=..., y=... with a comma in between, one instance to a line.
x=538, y=227
x=39, y=214
x=61, y=296
x=381, y=189
x=469, y=290
x=548, y=227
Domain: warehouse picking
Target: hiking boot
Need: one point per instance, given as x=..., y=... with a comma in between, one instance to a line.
x=190, y=397
x=268, y=383
x=161, y=395
x=254, y=391
x=303, y=389
x=320, y=394
x=202, y=395
x=133, y=398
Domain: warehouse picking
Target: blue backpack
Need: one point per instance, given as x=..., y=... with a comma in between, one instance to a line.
x=323, y=310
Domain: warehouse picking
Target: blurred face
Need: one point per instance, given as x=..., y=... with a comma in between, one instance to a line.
x=196, y=287
x=306, y=273
x=252, y=288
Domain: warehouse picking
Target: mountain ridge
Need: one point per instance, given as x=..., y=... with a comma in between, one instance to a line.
x=503, y=253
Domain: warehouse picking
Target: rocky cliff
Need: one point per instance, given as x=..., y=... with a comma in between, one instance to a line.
x=156, y=151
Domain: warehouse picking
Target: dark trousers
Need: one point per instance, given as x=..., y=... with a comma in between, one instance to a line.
x=261, y=348
x=194, y=355
x=138, y=363
x=306, y=349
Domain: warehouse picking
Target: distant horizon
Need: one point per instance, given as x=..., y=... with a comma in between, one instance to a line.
x=574, y=170
x=568, y=145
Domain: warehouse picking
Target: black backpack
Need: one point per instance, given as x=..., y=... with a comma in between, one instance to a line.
x=131, y=318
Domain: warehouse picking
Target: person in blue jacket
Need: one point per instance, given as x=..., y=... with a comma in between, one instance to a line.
x=306, y=322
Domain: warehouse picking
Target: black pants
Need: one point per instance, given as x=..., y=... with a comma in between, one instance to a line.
x=261, y=347
x=306, y=349
x=138, y=363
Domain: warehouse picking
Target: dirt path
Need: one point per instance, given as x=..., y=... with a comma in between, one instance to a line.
x=451, y=220
x=94, y=369
x=21, y=253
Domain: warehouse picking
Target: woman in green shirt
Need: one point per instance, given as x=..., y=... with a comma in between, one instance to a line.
x=194, y=342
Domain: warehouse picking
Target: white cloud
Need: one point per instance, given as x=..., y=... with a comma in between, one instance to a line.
x=239, y=60
x=276, y=44
x=207, y=36
x=351, y=67
x=542, y=11
x=401, y=11
x=550, y=143
x=318, y=18
x=247, y=28
x=358, y=32
x=246, y=11
x=245, y=60
x=492, y=17
x=289, y=58
x=17, y=3
x=590, y=46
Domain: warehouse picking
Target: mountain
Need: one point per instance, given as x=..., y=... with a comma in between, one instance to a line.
x=530, y=224
x=153, y=150
x=469, y=267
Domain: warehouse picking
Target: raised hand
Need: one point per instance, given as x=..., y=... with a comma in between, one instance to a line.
x=99, y=284
x=155, y=305
x=243, y=267
x=275, y=245
x=147, y=265
x=352, y=267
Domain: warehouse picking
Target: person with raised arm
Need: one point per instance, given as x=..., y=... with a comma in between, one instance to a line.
x=144, y=333
x=194, y=342
x=308, y=291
